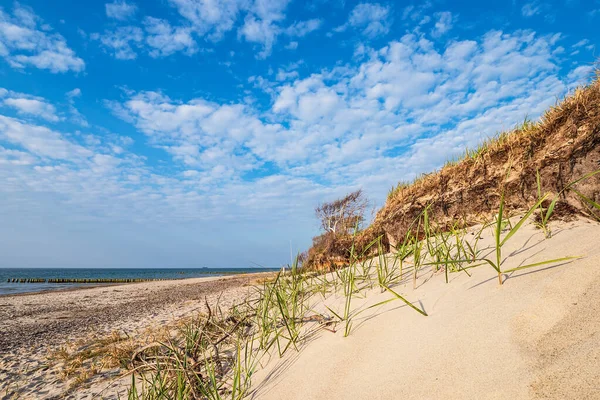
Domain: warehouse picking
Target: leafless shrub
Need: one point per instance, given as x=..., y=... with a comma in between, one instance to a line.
x=342, y=215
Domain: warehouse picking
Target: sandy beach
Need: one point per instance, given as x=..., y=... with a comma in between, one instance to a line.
x=535, y=337
x=33, y=326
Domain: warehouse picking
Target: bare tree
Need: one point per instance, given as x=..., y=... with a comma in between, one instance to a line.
x=342, y=215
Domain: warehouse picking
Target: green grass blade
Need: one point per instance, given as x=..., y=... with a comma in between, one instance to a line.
x=497, y=268
x=374, y=305
x=499, y=232
x=522, y=220
x=368, y=247
x=408, y=303
x=379, y=304
x=541, y=263
x=550, y=210
x=446, y=262
x=334, y=313
x=285, y=317
x=470, y=267
x=586, y=176
x=587, y=200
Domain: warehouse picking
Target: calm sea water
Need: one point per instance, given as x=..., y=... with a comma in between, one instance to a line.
x=104, y=273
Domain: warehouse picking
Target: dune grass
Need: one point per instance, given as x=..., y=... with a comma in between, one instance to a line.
x=215, y=355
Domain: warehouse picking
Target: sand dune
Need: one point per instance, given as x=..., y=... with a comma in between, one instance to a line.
x=535, y=337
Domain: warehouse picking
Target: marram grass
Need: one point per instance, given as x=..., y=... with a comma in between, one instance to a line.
x=215, y=356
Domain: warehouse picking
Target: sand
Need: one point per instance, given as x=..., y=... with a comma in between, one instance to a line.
x=34, y=326
x=535, y=337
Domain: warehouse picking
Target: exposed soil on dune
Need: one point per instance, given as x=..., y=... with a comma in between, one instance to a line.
x=563, y=146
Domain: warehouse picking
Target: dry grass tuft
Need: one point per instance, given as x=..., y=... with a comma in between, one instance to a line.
x=80, y=361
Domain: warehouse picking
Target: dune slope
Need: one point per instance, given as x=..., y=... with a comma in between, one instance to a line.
x=535, y=337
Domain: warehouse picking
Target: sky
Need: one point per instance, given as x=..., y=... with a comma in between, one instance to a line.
x=192, y=133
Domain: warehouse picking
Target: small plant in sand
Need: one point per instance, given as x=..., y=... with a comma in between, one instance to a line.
x=85, y=358
x=544, y=215
x=384, y=277
x=500, y=241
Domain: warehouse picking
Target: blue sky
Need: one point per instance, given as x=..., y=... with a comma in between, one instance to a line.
x=187, y=133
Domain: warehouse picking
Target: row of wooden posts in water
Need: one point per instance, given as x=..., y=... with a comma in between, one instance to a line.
x=86, y=280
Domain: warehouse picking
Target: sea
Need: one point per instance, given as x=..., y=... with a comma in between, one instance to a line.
x=8, y=288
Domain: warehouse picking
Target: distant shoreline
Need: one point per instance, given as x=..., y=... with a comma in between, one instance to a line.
x=73, y=287
x=118, y=274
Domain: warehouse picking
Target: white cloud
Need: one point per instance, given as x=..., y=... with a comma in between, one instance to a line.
x=308, y=100
x=581, y=43
x=198, y=133
x=74, y=93
x=416, y=13
x=34, y=107
x=584, y=43
x=190, y=173
x=292, y=45
x=29, y=105
x=372, y=18
x=259, y=31
x=166, y=40
x=444, y=22
x=286, y=75
x=75, y=116
x=26, y=41
x=530, y=9
x=120, y=10
x=261, y=24
x=40, y=141
x=15, y=157
x=302, y=28
x=581, y=75
x=78, y=118
x=158, y=39
x=121, y=42
x=211, y=18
